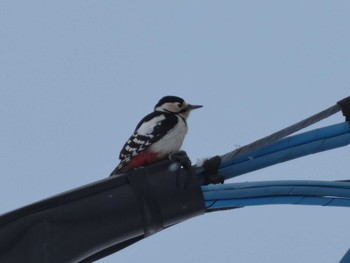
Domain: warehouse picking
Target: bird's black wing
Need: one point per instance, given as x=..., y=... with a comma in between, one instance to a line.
x=149, y=130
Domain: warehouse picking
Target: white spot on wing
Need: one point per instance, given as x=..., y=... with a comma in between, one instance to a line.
x=147, y=127
x=135, y=140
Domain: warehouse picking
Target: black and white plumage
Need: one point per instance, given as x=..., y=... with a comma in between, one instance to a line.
x=157, y=135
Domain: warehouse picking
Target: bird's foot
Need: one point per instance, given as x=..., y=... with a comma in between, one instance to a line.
x=181, y=158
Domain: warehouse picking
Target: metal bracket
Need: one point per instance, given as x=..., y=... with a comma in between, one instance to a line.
x=345, y=107
x=211, y=171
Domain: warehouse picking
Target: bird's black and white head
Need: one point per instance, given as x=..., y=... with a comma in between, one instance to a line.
x=175, y=105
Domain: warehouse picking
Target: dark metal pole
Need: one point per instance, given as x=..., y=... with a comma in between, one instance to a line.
x=96, y=220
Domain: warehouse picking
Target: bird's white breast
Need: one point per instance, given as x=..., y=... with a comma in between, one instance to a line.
x=172, y=141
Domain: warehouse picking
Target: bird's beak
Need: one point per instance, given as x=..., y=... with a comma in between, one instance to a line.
x=192, y=107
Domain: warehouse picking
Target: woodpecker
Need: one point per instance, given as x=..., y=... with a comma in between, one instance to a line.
x=158, y=135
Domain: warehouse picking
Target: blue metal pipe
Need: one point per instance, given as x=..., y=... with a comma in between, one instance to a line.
x=346, y=258
x=292, y=147
x=218, y=197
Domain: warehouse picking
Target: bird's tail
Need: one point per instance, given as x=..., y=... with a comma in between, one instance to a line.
x=121, y=168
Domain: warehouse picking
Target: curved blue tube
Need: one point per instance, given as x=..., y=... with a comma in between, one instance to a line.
x=292, y=147
x=346, y=258
x=227, y=196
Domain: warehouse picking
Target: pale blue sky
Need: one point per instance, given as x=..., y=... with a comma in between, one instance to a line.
x=77, y=76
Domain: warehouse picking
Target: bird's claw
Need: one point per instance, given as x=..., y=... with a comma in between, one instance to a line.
x=181, y=158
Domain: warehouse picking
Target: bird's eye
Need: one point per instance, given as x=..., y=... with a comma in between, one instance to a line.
x=179, y=105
